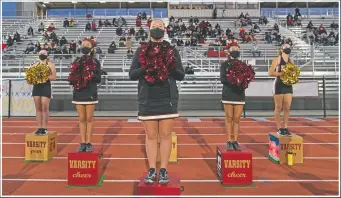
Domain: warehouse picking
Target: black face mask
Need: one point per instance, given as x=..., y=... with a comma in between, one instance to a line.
x=235, y=54
x=287, y=50
x=42, y=57
x=86, y=50
x=157, y=33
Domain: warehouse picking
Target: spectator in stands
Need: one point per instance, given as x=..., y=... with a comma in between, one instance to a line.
x=79, y=46
x=297, y=12
x=180, y=42
x=119, y=31
x=187, y=43
x=100, y=23
x=310, y=36
x=247, y=16
x=129, y=44
x=88, y=16
x=121, y=22
x=65, y=52
x=53, y=35
x=112, y=48
x=72, y=23
x=255, y=49
x=93, y=41
x=30, y=31
x=242, y=32
x=299, y=23
x=331, y=39
x=194, y=41
x=41, y=27
x=121, y=42
x=51, y=27
x=55, y=40
x=66, y=23
x=310, y=25
x=29, y=48
x=268, y=38
x=9, y=41
x=107, y=23
x=322, y=30
x=93, y=26
x=149, y=22
x=16, y=37
x=276, y=28
x=336, y=39
x=144, y=15
x=45, y=47
x=241, y=16
x=138, y=21
x=88, y=26
x=72, y=47
x=99, y=52
x=37, y=47
x=46, y=36
x=58, y=53
x=114, y=22
x=126, y=32
x=290, y=20
x=63, y=41
x=132, y=31
x=170, y=31
x=334, y=25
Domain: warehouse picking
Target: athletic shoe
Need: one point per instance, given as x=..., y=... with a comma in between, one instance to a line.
x=236, y=146
x=43, y=132
x=230, y=146
x=88, y=147
x=286, y=131
x=163, y=176
x=151, y=177
x=38, y=132
x=281, y=132
x=82, y=147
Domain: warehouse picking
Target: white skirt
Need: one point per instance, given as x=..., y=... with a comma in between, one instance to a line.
x=85, y=102
x=158, y=117
x=233, y=102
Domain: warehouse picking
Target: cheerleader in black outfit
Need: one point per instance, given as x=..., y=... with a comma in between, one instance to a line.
x=158, y=102
x=282, y=92
x=86, y=97
x=233, y=99
x=42, y=95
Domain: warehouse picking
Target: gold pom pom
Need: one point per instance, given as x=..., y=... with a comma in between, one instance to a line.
x=37, y=74
x=290, y=74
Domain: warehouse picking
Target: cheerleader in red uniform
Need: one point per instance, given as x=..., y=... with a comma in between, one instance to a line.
x=235, y=77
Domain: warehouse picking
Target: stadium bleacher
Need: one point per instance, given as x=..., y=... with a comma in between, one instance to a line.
x=324, y=63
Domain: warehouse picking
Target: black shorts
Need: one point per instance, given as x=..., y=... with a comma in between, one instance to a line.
x=43, y=90
x=281, y=88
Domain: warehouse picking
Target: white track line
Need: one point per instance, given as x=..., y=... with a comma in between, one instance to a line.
x=193, y=127
x=184, y=181
x=181, y=121
x=143, y=134
x=179, y=158
x=193, y=144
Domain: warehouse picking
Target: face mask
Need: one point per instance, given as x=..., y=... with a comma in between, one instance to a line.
x=235, y=54
x=287, y=50
x=86, y=50
x=157, y=33
x=42, y=56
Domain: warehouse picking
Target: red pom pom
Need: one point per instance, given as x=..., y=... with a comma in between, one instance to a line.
x=81, y=74
x=157, y=60
x=240, y=74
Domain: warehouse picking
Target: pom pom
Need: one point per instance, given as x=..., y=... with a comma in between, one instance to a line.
x=290, y=74
x=37, y=74
x=240, y=74
x=82, y=71
x=157, y=60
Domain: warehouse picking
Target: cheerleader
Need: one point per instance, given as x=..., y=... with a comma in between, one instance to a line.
x=282, y=92
x=42, y=95
x=158, y=99
x=233, y=98
x=85, y=95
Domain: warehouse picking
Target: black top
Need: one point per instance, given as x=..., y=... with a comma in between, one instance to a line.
x=163, y=91
x=89, y=93
x=230, y=92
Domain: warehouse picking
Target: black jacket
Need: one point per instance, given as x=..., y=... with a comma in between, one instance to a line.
x=89, y=93
x=230, y=92
x=136, y=73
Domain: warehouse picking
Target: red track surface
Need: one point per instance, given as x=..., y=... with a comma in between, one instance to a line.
x=196, y=151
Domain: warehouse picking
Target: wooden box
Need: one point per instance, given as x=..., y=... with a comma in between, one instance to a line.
x=234, y=168
x=173, y=188
x=279, y=146
x=174, y=153
x=40, y=147
x=86, y=168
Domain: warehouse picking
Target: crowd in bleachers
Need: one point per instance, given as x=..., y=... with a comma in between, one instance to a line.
x=320, y=36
